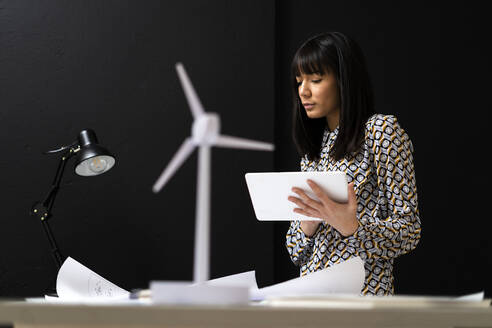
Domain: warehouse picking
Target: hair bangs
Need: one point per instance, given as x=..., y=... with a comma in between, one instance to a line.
x=309, y=60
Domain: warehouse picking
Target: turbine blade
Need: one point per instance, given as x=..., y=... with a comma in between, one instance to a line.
x=184, y=151
x=190, y=93
x=234, y=142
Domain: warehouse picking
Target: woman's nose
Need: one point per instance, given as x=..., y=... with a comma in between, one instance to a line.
x=304, y=91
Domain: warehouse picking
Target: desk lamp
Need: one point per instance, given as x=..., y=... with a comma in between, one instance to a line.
x=90, y=159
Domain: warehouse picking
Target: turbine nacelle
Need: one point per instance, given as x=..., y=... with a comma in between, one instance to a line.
x=206, y=129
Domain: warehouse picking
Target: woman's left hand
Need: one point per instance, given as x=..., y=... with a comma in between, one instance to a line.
x=341, y=216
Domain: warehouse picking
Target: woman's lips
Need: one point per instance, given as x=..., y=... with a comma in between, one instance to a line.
x=308, y=106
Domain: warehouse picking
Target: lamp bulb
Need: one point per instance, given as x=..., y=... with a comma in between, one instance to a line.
x=97, y=164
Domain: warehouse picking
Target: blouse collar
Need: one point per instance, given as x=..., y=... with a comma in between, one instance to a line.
x=329, y=135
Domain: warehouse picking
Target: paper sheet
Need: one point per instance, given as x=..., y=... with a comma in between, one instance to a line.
x=77, y=282
x=344, y=278
x=473, y=297
x=244, y=279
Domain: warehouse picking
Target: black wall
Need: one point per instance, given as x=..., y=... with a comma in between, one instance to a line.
x=109, y=65
x=430, y=66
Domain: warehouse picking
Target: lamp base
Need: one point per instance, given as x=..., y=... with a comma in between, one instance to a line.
x=167, y=292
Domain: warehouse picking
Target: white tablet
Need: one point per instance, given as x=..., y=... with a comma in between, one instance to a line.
x=269, y=192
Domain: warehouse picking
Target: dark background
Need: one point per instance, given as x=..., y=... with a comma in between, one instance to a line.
x=109, y=66
x=430, y=66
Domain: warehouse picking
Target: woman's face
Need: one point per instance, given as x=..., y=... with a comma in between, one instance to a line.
x=319, y=94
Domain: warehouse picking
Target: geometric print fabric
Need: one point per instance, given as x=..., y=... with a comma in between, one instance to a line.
x=387, y=211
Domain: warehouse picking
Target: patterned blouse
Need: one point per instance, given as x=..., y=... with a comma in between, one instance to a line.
x=388, y=215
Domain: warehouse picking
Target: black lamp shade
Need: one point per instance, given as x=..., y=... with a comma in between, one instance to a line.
x=92, y=158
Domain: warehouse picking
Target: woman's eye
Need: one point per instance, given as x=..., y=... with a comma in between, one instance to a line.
x=316, y=81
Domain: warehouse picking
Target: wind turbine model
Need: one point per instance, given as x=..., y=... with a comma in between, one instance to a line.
x=204, y=134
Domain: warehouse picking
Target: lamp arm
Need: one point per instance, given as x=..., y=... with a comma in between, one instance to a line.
x=42, y=210
x=50, y=197
x=55, y=251
x=62, y=148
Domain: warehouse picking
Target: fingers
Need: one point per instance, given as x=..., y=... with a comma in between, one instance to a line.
x=305, y=213
x=325, y=198
x=327, y=209
x=318, y=191
x=304, y=209
x=306, y=199
x=296, y=201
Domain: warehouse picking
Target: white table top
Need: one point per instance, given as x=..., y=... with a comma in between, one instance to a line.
x=24, y=314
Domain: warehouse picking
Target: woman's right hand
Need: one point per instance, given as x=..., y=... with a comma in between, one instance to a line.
x=309, y=227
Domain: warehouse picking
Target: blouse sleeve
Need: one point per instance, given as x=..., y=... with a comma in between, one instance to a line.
x=392, y=228
x=298, y=244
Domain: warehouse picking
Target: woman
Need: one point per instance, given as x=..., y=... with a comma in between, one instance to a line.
x=336, y=129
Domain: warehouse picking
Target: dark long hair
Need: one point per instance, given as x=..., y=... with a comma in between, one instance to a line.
x=341, y=55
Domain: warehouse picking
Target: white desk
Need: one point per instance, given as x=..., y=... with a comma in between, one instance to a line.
x=27, y=315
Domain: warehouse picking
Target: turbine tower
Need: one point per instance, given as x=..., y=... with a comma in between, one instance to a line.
x=205, y=133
